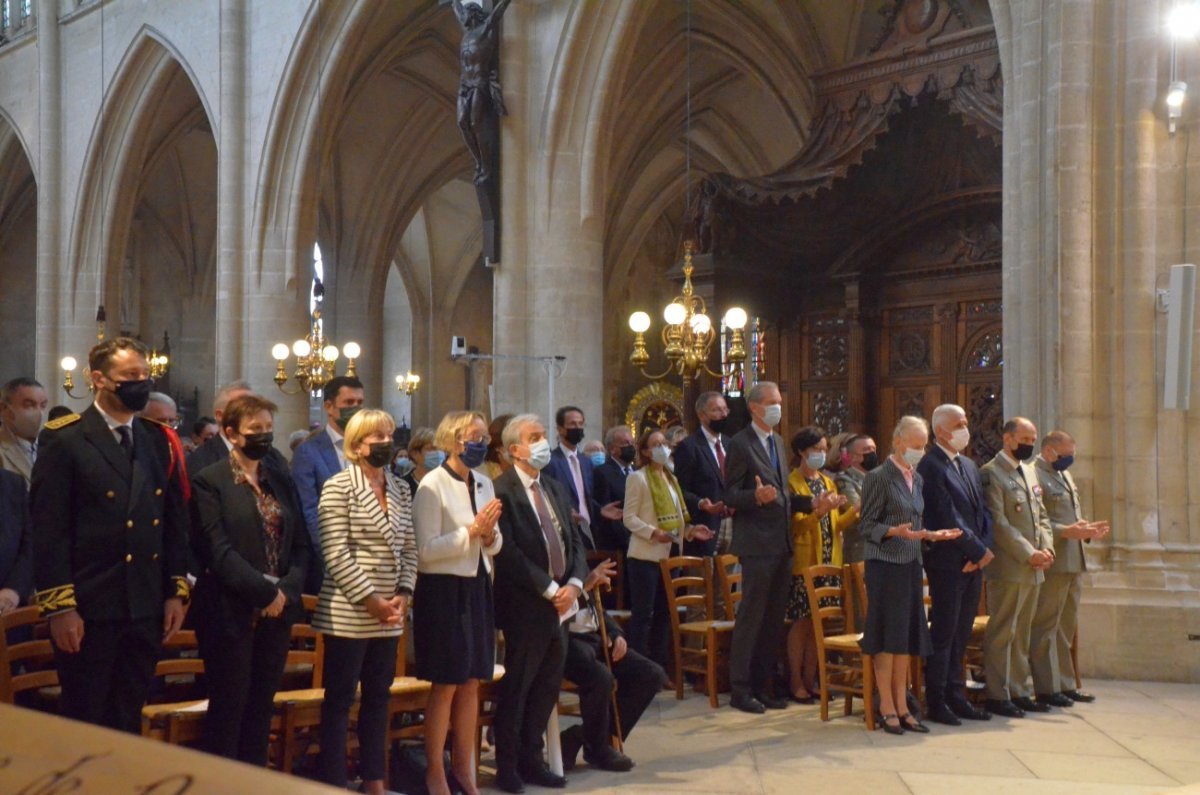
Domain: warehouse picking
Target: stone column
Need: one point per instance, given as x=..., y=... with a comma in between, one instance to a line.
x=52, y=298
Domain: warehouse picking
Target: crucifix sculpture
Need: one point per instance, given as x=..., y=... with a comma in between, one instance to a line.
x=480, y=106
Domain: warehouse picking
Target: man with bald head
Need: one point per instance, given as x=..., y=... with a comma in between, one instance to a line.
x=1023, y=545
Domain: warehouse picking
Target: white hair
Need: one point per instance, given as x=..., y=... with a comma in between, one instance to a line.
x=947, y=413
x=758, y=392
x=512, y=431
x=165, y=399
x=907, y=423
x=225, y=394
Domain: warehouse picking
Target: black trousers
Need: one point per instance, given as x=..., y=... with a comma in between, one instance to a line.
x=759, y=630
x=349, y=662
x=243, y=669
x=638, y=680
x=649, y=620
x=533, y=672
x=106, y=681
x=955, y=603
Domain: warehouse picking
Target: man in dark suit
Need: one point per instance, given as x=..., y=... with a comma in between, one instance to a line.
x=217, y=447
x=609, y=484
x=637, y=681
x=954, y=498
x=321, y=456
x=574, y=471
x=16, y=556
x=756, y=489
x=110, y=549
x=700, y=462
x=539, y=576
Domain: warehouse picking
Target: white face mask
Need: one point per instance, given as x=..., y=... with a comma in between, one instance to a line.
x=772, y=414
x=539, y=454
x=661, y=454
x=959, y=439
x=26, y=423
x=913, y=456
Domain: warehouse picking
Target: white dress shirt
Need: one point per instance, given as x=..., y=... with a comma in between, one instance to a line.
x=113, y=424
x=339, y=444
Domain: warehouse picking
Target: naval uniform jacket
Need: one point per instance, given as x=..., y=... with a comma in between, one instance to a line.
x=110, y=533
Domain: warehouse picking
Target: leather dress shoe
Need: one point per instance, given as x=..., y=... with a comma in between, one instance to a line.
x=747, y=704
x=771, y=702
x=1079, y=695
x=1029, y=705
x=508, y=780
x=571, y=740
x=940, y=713
x=543, y=777
x=969, y=712
x=609, y=758
x=1004, y=707
x=1056, y=700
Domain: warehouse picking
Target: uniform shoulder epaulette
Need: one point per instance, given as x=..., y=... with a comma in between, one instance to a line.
x=62, y=422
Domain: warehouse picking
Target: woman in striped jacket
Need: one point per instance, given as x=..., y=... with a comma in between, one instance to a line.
x=370, y=553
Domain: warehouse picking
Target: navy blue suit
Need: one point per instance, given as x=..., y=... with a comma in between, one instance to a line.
x=700, y=478
x=559, y=468
x=952, y=500
x=16, y=538
x=314, y=462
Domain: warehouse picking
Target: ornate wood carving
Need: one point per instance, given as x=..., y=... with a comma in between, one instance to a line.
x=658, y=405
x=910, y=401
x=830, y=355
x=986, y=415
x=831, y=411
x=910, y=351
x=987, y=352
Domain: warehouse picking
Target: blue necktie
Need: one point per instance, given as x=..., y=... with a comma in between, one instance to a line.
x=774, y=452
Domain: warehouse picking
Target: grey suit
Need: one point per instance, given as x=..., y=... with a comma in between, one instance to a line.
x=1056, y=616
x=13, y=456
x=762, y=540
x=1020, y=527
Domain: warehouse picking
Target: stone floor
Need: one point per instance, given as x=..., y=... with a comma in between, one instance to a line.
x=1137, y=737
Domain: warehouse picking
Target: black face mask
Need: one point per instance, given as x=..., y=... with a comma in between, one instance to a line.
x=257, y=445
x=719, y=426
x=134, y=395
x=627, y=454
x=574, y=436
x=345, y=415
x=1023, y=452
x=870, y=461
x=381, y=454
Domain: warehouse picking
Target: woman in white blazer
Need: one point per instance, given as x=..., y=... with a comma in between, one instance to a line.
x=370, y=553
x=453, y=628
x=657, y=518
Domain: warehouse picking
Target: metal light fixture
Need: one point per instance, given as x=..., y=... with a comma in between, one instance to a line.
x=689, y=334
x=316, y=357
x=408, y=383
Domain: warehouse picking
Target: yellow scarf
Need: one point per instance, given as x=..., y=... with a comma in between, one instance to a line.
x=671, y=516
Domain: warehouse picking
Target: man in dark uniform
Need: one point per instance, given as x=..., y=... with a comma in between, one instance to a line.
x=110, y=546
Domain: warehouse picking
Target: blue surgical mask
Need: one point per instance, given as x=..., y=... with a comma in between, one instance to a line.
x=434, y=459
x=539, y=454
x=597, y=459
x=815, y=460
x=772, y=414
x=473, y=454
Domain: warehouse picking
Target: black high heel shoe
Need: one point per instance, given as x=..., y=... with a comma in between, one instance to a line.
x=910, y=724
x=889, y=728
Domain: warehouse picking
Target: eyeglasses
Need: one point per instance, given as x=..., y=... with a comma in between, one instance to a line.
x=476, y=440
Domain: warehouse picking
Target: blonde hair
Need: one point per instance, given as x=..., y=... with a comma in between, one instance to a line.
x=907, y=423
x=450, y=430
x=364, y=423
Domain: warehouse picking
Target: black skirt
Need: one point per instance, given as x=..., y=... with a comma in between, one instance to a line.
x=896, y=622
x=453, y=628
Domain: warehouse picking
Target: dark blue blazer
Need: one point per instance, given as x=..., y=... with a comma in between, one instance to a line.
x=314, y=462
x=699, y=477
x=948, y=503
x=16, y=537
x=608, y=485
x=560, y=469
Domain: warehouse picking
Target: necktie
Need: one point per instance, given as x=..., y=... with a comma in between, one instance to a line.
x=33, y=453
x=966, y=482
x=553, y=543
x=126, y=434
x=577, y=476
x=774, y=452
x=1071, y=491
x=721, y=459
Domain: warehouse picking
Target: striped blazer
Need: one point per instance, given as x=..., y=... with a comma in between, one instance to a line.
x=365, y=552
x=887, y=502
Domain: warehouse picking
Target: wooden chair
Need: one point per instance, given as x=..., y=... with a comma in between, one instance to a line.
x=730, y=583
x=692, y=588
x=298, y=711
x=837, y=654
x=33, y=658
x=175, y=720
x=855, y=585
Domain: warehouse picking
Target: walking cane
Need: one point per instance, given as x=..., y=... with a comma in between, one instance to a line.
x=599, y=605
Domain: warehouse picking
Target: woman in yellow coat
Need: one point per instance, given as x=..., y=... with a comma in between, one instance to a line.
x=816, y=541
